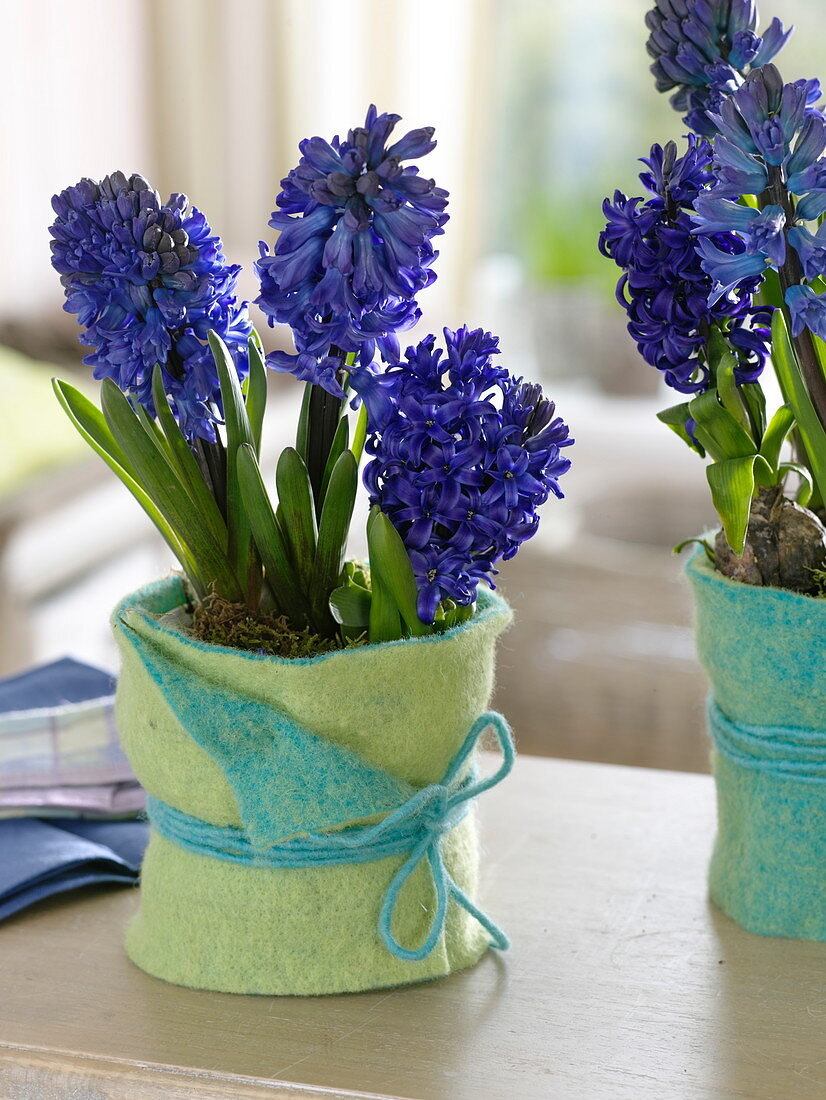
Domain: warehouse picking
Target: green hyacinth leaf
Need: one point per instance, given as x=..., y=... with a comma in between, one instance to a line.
x=360, y=434
x=153, y=429
x=238, y=432
x=806, y=489
x=675, y=418
x=185, y=464
x=389, y=560
x=722, y=435
x=281, y=575
x=255, y=391
x=755, y=401
x=350, y=606
x=796, y=396
x=302, y=433
x=297, y=514
x=333, y=531
x=728, y=390
x=152, y=471
x=91, y=425
x=340, y=443
x=732, y=483
x=385, y=622
x=776, y=434
x=707, y=549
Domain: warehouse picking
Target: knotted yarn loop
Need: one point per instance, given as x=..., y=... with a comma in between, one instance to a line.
x=415, y=828
x=443, y=805
x=433, y=815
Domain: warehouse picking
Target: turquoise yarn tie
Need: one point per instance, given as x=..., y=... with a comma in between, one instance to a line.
x=782, y=752
x=416, y=827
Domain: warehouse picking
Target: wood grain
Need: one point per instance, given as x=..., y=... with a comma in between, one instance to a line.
x=622, y=981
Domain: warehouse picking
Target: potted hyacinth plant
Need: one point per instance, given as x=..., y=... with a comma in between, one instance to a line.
x=305, y=725
x=723, y=270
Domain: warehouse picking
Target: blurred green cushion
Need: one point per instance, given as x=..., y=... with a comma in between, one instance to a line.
x=37, y=435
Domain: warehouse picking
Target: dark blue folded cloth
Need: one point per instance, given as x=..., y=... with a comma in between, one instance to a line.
x=39, y=858
x=64, y=681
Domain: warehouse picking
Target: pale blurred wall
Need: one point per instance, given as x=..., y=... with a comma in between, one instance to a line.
x=575, y=104
x=211, y=97
x=536, y=103
x=74, y=102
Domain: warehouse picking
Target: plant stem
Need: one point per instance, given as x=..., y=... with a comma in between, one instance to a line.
x=791, y=274
x=324, y=415
x=212, y=458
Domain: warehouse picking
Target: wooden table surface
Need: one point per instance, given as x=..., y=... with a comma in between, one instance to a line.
x=622, y=981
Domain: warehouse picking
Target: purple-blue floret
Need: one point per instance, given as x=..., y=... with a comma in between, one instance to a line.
x=771, y=144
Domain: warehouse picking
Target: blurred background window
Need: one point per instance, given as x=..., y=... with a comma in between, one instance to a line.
x=541, y=108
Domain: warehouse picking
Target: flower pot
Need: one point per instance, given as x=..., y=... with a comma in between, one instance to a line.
x=764, y=650
x=311, y=831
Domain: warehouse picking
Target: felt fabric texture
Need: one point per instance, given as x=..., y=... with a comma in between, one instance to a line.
x=276, y=747
x=764, y=651
x=415, y=829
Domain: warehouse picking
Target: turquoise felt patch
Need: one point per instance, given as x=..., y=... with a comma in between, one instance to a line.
x=764, y=651
x=285, y=779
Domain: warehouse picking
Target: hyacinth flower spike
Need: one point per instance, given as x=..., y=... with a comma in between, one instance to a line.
x=155, y=297
x=702, y=330
x=147, y=280
x=671, y=301
x=704, y=49
x=355, y=223
x=770, y=146
x=462, y=456
x=695, y=253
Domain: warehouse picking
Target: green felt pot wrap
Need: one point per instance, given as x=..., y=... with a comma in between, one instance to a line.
x=764, y=651
x=272, y=751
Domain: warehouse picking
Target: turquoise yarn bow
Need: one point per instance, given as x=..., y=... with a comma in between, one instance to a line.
x=439, y=808
x=416, y=827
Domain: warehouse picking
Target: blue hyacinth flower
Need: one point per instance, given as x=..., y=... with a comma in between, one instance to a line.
x=703, y=49
x=771, y=143
x=356, y=225
x=728, y=269
x=808, y=150
x=463, y=455
x=738, y=172
x=667, y=294
x=148, y=281
x=811, y=249
x=761, y=231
